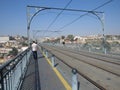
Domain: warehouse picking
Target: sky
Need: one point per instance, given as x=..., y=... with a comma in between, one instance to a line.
x=13, y=18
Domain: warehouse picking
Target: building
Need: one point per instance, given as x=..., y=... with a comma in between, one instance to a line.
x=4, y=38
x=80, y=39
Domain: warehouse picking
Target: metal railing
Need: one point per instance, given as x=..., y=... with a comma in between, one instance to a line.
x=13, y=71
x=89, y=48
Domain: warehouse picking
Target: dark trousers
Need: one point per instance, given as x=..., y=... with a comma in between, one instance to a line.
x=35, y=55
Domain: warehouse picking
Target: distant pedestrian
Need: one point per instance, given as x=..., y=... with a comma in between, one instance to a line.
x=34, y=49
x=63, y=42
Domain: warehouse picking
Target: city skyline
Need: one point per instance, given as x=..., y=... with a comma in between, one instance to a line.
x=13, y=18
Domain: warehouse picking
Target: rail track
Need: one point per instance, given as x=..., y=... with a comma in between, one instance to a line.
x=107, y=64
x=76, y=56
x=105, y=58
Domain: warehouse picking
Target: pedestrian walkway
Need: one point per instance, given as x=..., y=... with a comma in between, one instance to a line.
x=40, y=76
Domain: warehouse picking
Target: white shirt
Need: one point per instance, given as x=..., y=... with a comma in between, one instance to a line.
x=34, y=47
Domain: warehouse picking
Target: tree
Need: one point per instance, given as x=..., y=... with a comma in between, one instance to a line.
x=63, y=37
x=25, y=38
x=14, y=51
x=108, y=37
x=24, y=44
x=70, y=37
x=12, y=38
x=57, y=40
x=115, y=44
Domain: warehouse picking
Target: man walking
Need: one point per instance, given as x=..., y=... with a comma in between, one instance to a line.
x=34, y=50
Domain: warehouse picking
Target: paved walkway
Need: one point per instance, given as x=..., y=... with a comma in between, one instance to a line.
x=40, y=76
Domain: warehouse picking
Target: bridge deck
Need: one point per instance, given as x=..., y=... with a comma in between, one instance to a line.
x=40, y=76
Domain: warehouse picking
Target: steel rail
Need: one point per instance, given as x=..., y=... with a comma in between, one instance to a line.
x=80, y=73
x=78, y=59
x=113, y=62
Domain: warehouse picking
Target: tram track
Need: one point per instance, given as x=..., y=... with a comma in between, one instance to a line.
x=72, y=54
x=101, y=57
x=103, y=67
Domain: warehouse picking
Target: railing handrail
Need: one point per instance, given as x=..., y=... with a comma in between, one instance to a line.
x=12, y=60
x=9, y=69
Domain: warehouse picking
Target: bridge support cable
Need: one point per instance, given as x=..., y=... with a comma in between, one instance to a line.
x=58, y=15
